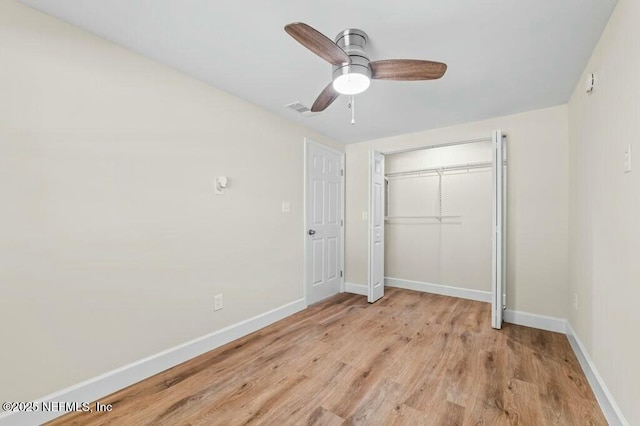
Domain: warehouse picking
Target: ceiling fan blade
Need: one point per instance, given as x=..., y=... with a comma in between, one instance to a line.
x=326, y=98
x=407, y=69
x=317, y=42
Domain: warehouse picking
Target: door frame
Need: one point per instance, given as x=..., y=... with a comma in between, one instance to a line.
x=305, y=285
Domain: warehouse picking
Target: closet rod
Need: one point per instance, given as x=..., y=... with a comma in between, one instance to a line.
x=441, y=169
x=442, y=145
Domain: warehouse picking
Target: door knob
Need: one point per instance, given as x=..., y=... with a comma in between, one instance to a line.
x=312, y=232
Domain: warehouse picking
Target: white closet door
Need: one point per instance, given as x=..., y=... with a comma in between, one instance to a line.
x=376, y=227
x=498, y=300
x=324, y=222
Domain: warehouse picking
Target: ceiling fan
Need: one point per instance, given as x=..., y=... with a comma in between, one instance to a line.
x=352, y=70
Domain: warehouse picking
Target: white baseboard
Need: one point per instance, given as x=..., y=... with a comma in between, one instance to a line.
x=356, y=288
x=608, y=405
x=542, y=322
x=112, y=381
x=445, y=290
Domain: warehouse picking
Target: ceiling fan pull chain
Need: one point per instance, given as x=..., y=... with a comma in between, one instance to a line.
x=352, y=105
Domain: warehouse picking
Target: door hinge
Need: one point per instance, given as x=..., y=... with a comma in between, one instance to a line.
x=342, y=172
x=341, y=222
x=340, y=274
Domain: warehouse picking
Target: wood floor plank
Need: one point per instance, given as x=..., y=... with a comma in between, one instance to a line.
x=375, y=404
x=405, y=415
x=323, y=417
x=409, y=359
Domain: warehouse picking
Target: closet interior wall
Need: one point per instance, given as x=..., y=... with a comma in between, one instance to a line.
x=438, y=216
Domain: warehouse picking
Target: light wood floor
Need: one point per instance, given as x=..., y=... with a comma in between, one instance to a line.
x=409, y=359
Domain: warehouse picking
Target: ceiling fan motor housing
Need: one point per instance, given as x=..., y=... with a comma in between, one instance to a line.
x=353, y=42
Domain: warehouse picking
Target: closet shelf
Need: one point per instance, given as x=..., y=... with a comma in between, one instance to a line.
x=439, y=170
x=422, y=217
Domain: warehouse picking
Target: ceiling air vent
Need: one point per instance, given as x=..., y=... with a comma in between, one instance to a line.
x=299, y=108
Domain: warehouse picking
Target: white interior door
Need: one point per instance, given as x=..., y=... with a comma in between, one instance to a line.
x=323, y=222
x=498, y=300
x=376, y=227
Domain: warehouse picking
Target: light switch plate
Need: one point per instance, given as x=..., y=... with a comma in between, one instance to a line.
x=627, y=159
x=286, y=207
x=217, y=302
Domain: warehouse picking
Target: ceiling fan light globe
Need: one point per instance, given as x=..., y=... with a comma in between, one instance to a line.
x=351, y=83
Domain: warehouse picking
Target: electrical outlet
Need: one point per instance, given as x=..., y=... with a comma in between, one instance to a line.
x=575, y=301
x=217, y=302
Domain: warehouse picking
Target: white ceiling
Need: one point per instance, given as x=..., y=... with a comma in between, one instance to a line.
x=504, y=56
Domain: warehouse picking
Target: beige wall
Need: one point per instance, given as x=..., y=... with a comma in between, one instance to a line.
x=112, y=242
x=430, y=250
x=605, y=209
x=537, y=268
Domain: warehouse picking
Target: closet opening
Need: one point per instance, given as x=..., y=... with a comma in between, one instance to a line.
x=437, y=221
